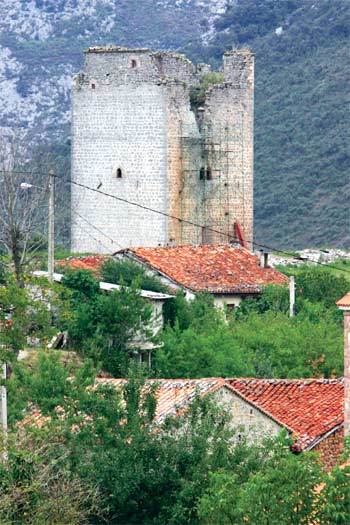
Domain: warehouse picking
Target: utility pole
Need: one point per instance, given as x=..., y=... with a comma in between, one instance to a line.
x=4, y=414
x=291, y=296
x=51, y=229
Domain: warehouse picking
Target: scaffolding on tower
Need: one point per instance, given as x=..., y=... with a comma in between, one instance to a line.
x=212, y=184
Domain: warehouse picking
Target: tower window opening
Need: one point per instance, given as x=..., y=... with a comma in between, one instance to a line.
x=209, y=174
x=119, y=173
x=202, y=174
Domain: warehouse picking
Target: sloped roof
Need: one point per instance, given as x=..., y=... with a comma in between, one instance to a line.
x=212, y=268
x=173, y=395
x=84, y=262
x=310, y=408
x=344, y=302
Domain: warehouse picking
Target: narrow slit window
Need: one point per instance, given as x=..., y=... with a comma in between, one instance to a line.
x=119, y=173
x=202, y=174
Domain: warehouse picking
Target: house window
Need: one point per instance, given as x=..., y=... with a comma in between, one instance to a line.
x=209, y=174
x=93, y=85
x=202, y=174
x=119, y=173
x=231, y=307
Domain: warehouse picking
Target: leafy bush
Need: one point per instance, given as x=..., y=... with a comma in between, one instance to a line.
x=128, y=272
x=105, y=327
x=197, y=94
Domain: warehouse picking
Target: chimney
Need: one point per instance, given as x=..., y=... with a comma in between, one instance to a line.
x=264, y=259
x=344, y=304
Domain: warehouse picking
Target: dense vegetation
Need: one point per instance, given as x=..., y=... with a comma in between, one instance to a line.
x=98, y=458
x=301, y=118
x=93, y=454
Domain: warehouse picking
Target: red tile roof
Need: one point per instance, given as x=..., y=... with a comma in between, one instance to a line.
x=310, y=408
x=214, y=268
x=174, y=395
x=344, y=302
x=85, y=262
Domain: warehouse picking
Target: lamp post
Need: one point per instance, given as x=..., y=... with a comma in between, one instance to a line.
x=51, y=222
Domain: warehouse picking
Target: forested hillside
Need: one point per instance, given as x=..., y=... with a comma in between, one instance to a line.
x=302, y=181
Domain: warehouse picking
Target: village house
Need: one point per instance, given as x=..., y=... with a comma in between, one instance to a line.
x=311, y=410
x=144, y=346
x=230, y=273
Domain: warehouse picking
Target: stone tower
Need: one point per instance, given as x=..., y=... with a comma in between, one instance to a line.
x=153, y=129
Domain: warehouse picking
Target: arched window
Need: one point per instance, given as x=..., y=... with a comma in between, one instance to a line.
x=202, y=174
x=118, y=172
x=133, y=63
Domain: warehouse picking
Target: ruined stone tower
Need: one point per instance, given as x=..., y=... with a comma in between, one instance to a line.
x=153, y=129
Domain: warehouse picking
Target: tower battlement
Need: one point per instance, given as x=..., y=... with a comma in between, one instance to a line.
x=138, y=134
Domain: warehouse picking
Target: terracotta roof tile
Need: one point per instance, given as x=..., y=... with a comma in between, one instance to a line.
x=86, y=262
x=310, y=408
x=174, y=395
x=344, y=302
x=214, y=268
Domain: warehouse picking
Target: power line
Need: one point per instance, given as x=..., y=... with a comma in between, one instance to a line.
x=113, y=241
x=186, y=221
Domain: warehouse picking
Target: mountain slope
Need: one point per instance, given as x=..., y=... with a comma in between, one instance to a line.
x=302, y=179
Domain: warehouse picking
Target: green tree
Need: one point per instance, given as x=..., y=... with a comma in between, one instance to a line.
x=260, y=340
x=106, y=327
x=128, y=272
x=38, y=487
x=200, y=343
x=26, y=313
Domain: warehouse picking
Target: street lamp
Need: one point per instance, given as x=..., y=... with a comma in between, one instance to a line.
x=51, y=222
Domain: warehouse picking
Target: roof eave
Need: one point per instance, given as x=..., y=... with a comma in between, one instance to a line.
x=319, y=439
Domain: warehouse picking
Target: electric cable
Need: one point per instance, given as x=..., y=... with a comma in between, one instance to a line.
x=186, y=221
x=191, y=223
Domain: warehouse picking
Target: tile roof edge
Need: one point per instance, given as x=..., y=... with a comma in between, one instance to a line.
x=129, y=252
x=262, y=410
x=320, y=438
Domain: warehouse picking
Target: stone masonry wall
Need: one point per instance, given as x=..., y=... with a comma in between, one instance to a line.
x=118, y=127
x=131, y=115
x=229, y=116
x=246, y=419
x=331, y=448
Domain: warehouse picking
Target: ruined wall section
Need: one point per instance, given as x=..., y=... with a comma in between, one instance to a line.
x=175, y=67
x=118, y=122
x=181, y=125
x=228, y=121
